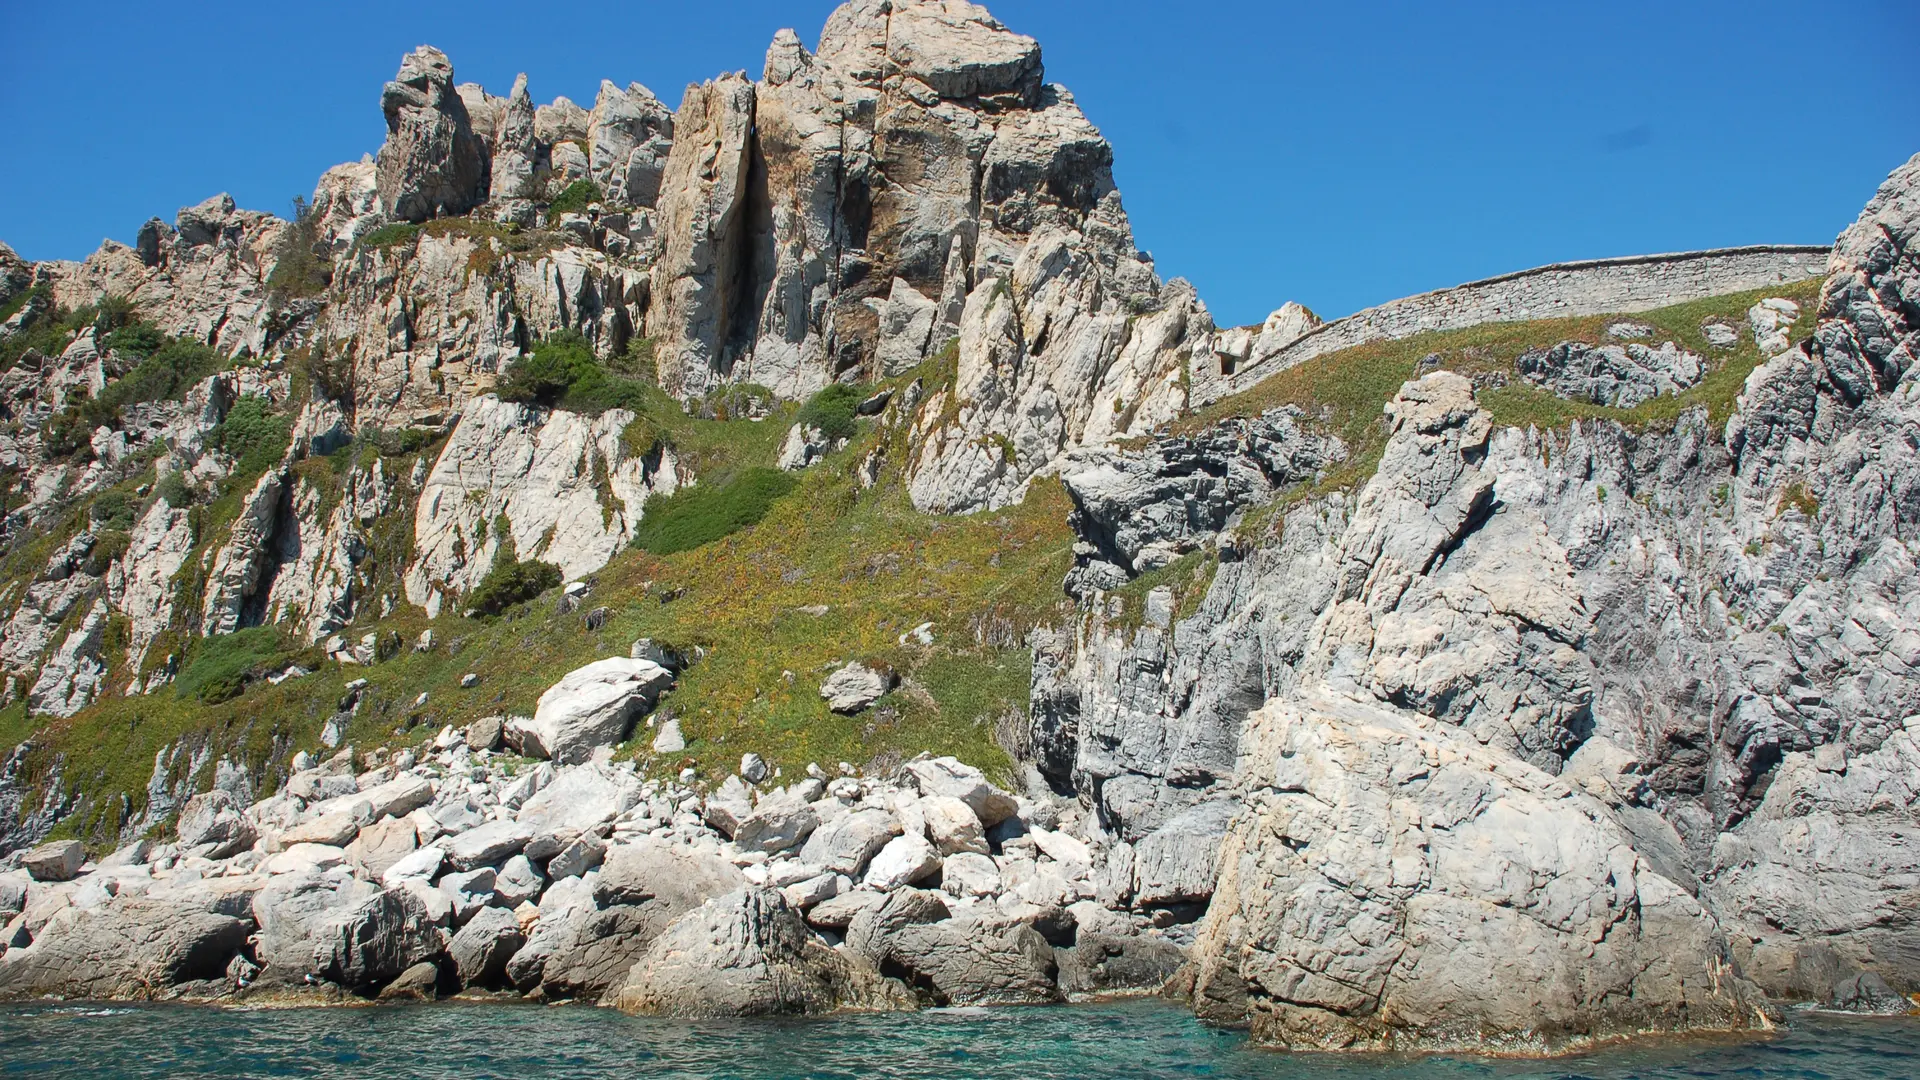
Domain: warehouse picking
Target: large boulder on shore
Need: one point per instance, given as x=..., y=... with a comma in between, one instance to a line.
x=129, y=948
x=346, y=931
x=1393, y=884
x=481, y=949
x=215, y=821
x=747, y=954
x=589, y=708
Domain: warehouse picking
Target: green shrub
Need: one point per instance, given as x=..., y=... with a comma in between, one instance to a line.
x=112, y=510
x=394, y=235
x=511, y=582
x=329, y=376
x=173, y=490
x=45, y=332
x=253, y=434
x=562, y=372
x=574, y=200
x=137, y=338
x=12, y=307
x=302, y=266
x=398, y=442
x=70, y=431
x=696, y=516
x=169, y=372
x=832, y=411
x=221, y=666
x=107, y=546
x=736, y=401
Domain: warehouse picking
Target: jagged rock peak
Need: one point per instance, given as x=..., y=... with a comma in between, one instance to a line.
x=432, y=163
x=954, y=48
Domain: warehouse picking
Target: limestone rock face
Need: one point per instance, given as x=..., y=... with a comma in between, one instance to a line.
x=432, y=163
x=427, y=331
x=74, y=674
x=237, y=570
x=1622, y=376
x=955, y=49
x=515, y=170
x=1392, y=883
x=159, y=546
x=916, y=160
x=205, y=279
x=567, y=485
x=631, y=133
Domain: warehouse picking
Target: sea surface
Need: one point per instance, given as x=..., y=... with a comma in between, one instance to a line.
x=1137, y=1040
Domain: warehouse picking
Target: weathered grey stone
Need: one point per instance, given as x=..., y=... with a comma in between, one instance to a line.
x=747, y=954
x=1363, y=924
x=591, y=707
x=952, y=825
x=781, y=820
x=432, y=163
x=483, y=946
x=648, y=870
x=903, y=860
x=952, y=778
x=853, y=687
x=951, y=961
x=580, y=798
x=1107, y=964
x=214, y=818
x=59, y=860
x=846, y=843
x=128, y=948
x=487, y=845
x=1616, y=375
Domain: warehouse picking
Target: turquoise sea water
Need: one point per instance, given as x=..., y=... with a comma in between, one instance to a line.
x=1140, y=1040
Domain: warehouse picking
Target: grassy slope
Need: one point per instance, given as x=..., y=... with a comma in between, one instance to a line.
x=1346, y=392
x=879, y=568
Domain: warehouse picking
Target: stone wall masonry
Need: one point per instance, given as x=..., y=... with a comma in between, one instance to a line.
x=1561, y=290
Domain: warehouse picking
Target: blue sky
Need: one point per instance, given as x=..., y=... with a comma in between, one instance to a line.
x=1339, y=154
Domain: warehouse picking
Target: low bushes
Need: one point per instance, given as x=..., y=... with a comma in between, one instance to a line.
x=832, y=411
x=696, y=516
x=574, y=200
x=562, y=372
x=253, y=434
x=511, y=581
x=221, y=666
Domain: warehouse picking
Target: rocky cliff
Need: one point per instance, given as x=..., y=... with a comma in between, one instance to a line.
x=1528, y=669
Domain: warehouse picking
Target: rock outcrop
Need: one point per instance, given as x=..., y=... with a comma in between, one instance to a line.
x=1393, y=884
x=432, y=164
x=558, y=486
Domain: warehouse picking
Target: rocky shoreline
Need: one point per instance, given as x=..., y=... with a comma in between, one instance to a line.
x=474, y=869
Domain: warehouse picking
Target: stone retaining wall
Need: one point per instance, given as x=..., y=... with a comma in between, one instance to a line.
x=1593, y=287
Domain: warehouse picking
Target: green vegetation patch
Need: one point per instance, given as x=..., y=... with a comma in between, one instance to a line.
x=832, y=411
x=574, y=200
x=563, y=372
x=222, y=665
x=510, y=581
x=696, y=516
x=1346, y=392
x=302, y=266
x=254, y=434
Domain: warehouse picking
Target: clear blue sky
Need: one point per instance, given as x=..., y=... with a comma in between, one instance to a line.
x=1335, y=153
